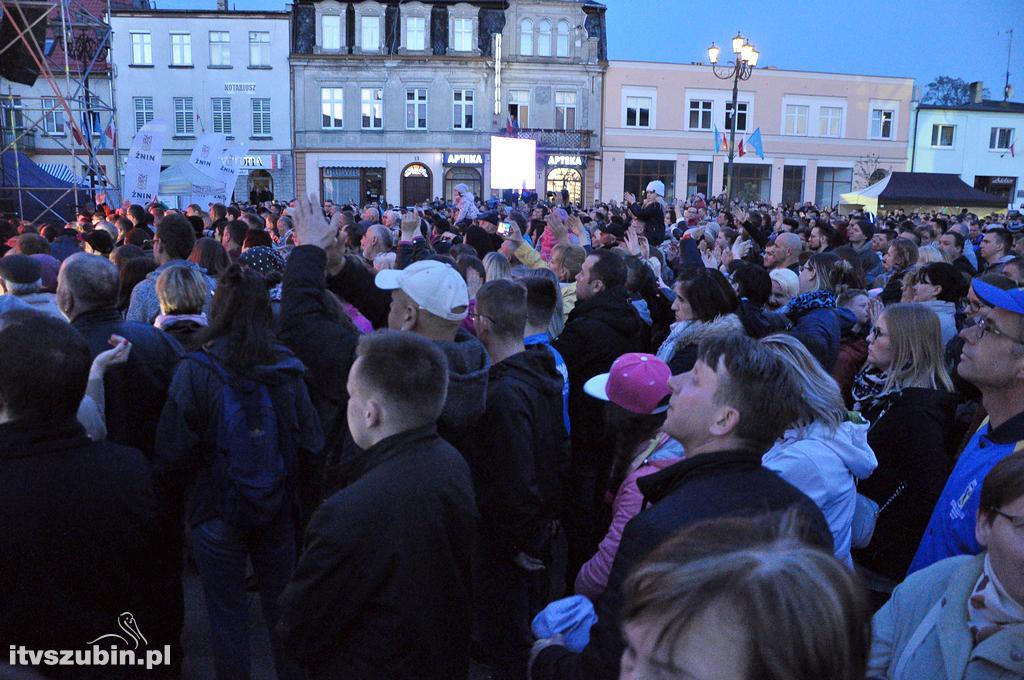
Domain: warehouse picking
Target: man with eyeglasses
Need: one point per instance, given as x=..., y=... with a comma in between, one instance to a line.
x=993, y=360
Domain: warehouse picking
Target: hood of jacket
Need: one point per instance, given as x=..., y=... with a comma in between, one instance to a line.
x=612, y=308
x=535, y=367
x=847, y=320
x=848, y=443
x=692, y=332
x=284, y=367
x=940, y=307
x=468, y=365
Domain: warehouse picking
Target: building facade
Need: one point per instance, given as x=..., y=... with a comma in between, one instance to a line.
x=210, y=71
x=976, y=141
x=397, y=102
x=822, y=133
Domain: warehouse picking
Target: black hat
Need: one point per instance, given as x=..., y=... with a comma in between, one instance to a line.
x=100, y=241
x=20, y=269
x=613, y=228
x=491, y=217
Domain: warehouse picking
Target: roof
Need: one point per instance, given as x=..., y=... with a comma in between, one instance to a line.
x=987, y=105
x=931, y=188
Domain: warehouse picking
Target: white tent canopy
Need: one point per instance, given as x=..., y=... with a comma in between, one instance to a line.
x=183, y=179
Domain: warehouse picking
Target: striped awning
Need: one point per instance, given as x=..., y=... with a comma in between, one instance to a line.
x=63, y=173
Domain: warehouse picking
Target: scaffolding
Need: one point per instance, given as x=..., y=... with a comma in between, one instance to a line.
x=72, y=103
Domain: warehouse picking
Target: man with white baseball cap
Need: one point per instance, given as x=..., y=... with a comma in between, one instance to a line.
x=430, y=298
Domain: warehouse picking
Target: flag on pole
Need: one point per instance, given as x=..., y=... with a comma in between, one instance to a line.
x=721, y=143
x=756, y=144
x=1012, y=153
x=740, y=150
x=112, y=133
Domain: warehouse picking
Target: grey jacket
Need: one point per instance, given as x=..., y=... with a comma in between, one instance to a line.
x=145, y=306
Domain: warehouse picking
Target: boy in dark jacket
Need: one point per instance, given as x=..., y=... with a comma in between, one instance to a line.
x=382, y=588
x=519, y=466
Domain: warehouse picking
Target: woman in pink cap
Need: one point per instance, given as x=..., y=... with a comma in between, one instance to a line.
x=637, y=387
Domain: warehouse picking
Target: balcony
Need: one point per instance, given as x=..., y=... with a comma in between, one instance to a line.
x=556, y=140
x=25, y=144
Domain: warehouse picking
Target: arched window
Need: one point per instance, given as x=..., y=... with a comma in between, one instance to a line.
x=562, y=48
x=544, y=39
x=526, y=37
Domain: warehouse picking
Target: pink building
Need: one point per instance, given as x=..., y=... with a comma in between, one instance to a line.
x=823, y=133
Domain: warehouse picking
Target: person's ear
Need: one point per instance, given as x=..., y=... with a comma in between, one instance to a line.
x=597, y=285
x=983, y=527
x=410, y=316
x=372, y=414
x=724, y=421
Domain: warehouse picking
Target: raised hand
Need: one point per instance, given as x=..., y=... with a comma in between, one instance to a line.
x=311, y=227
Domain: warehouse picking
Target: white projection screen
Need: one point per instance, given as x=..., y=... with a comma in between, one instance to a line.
x=513, y=163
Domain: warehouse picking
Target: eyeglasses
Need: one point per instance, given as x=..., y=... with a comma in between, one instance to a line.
x=1016, y=520
x=476, y=316
x=986, y=326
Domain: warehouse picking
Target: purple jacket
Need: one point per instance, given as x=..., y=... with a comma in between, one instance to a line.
x=593, y=576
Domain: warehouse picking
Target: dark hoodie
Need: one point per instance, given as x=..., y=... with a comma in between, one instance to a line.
x=187, y=434
x=521, y=453
x=467, y=389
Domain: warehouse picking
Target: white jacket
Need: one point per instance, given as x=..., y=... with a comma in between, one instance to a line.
x=825, y=465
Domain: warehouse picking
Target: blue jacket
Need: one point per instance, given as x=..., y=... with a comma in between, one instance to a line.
x=545, y=339
x=951, y=528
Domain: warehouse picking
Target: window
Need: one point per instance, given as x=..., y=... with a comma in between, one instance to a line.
x=143, y=111
x=221, y=107
x=330, y=31
x=752, y=182
x=562, y=40
x=373, y=108
x=259, y=48
x=793, y=184
x=369, y=34
x=638, y=112
x=830, y=184
x=526, y=37
x=95, y=127
x=519, y=107
x=700, y=114
x=942, y=135
x=53, y=118
x=468, y=176
x=698, y=178
x=416, y=109
x=638, y=172
x=181, y=49
x=184, y=117
x=565, y=110
x=741, y=115
x=415, y=33
x=332, y=107
x=544, y=39
x=142, y=49
x=463, y=34
x=796, y=119
x=881, y=123
x=220, y=48
x=260, y=117
x=831, y=121
x=462, y=119
x=1000, y=139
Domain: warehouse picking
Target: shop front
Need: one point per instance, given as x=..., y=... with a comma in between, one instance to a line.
x=352, y=185
x=564, y=173
x=1001, y=185
x=266, y=177
x=463, y=168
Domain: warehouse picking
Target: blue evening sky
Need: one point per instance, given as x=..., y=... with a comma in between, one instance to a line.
x=914, y=38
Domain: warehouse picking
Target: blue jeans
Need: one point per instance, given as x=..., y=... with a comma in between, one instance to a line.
x=220, y=552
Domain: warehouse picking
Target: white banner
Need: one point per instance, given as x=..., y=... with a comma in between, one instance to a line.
x=230, y=162
x=206, y=155
x=142, y=173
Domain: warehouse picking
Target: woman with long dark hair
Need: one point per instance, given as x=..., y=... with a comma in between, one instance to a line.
x=237, y=436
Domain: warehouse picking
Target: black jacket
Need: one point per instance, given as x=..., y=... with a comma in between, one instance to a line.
x=187, y=435
x=482, y=240
x=80, y=543
x=598, y=332
x=309, y=328
x=521, y=456
x=653, y=217
x=382, y=588
x=912, y=436
x=135, y=391
x=704, y=487
x=354, y=284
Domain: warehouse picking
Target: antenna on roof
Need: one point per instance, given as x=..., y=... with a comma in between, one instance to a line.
x=1007, y=90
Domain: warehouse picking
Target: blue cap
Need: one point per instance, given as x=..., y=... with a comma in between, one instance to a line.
x=1011, y=300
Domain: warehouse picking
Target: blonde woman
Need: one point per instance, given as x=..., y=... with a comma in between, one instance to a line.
x=182, y=292
x=497, y=267
x=905, y=392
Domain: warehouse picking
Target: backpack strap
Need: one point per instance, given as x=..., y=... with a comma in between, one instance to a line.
x=920, y=633
x=203, y=358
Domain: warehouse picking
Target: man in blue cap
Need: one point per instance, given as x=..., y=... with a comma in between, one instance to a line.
x=992, y=360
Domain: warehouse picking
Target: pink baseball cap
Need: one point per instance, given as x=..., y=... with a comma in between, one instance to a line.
x=636, y=382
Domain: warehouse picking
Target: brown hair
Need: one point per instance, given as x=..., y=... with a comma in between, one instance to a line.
x=408, y=371
x=1003, y=485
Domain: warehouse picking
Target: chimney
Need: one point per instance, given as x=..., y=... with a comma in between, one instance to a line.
x=975, y=89
x=222, y=5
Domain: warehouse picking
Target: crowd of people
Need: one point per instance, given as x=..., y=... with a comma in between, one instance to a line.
x=514, y=439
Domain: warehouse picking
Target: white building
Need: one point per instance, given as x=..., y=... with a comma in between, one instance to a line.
x=977, y=141
x=209, y=71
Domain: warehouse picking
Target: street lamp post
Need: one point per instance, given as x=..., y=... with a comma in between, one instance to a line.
x=740, y=69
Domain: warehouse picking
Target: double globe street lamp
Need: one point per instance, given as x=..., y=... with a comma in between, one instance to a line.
x=740, y=69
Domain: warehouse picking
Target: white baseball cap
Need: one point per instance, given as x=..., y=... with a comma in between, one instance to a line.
x=433, y=285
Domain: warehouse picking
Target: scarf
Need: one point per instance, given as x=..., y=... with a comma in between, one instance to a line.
x=812, y=299
x=868, y=389
x=165, y=321
x=678, y=330
x=990, y=607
